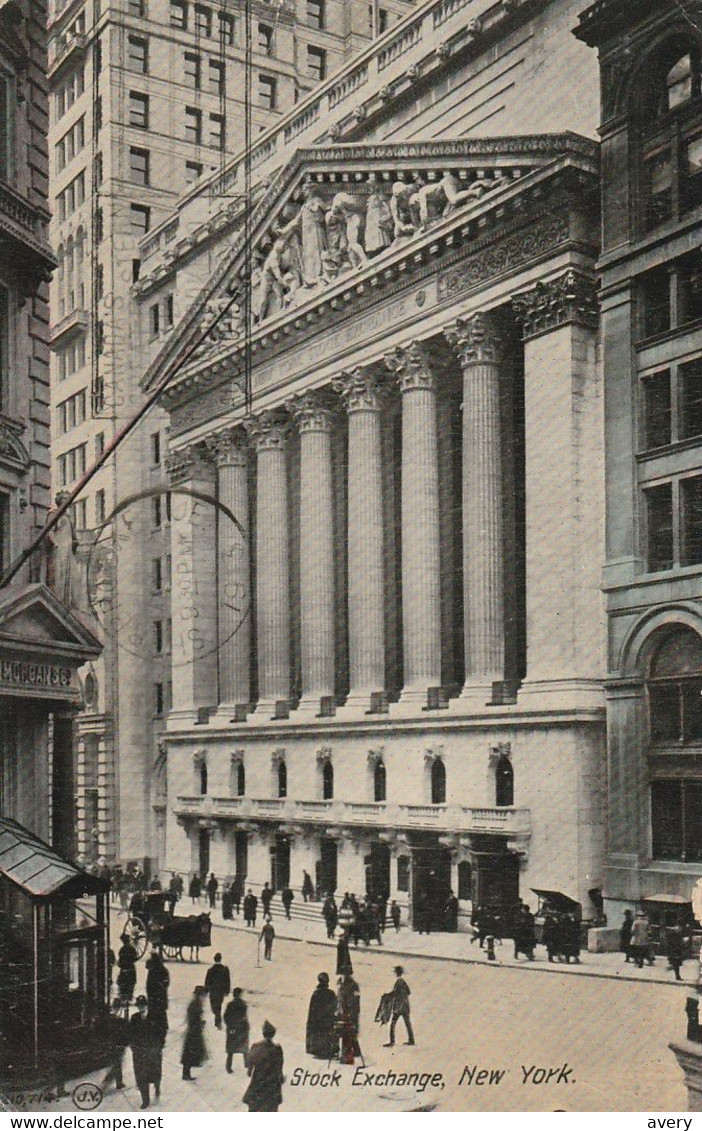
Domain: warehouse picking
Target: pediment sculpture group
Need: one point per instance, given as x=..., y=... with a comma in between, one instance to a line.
x=332, y=235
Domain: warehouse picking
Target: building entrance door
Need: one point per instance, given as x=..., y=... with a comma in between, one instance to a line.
x=431, y=884
x=378, y=871
x=241, y=855
x=326, y=867
x=203, y=852
x=280, y=864
x=496, y=883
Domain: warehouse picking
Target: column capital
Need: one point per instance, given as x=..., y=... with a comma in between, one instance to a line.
x=477, y=340
x=229, y=448
x=412, y=367
x=570, y=297
x=188, y=463
x=269, y=430
x=360, y=389
x=312, y=411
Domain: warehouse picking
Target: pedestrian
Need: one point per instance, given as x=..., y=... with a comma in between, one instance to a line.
x=320, y=1038
x=451, y=913
x=383, y=910
x=195, y=889
x=179, y=884
x=674, y=949
x=212, y=886
x=267, y=934
x=307, y=887
x=116, y=1036
x=146, y=1052
x=126, y=961
x=217, y=984
x=625, y=934
x=250, y=907
x=640, y=939
x=395, y=915
x=194, y=1052
x=571, y=939
x=236, y=1022
x=266, y=897
x=349, y=1018
x=330, y=915
x=237, y=891
x=173, y=895
x=155, y=884
x=264, y=1065
x=549, y=935
x=400, y=1008
x=524, y=933
x=343, y=954
x=287, y=898
x=157, y=982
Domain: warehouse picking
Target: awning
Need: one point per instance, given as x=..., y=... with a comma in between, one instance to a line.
x=678, y=900
x=38, y=869
x=557, y=899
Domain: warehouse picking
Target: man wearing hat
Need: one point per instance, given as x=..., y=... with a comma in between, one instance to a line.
x=400, y=1008
x=217, y=983
x=265, y=1067
x=236, y=1022
x=146, y=1051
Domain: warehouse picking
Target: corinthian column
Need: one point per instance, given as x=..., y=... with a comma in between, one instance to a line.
x=269, y=436
x=230, y=451
x=314, y=419
x=362, y=397
x=421, y=615
x=479, y=347
x=193, y=570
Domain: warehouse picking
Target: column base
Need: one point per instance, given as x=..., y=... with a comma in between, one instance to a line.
x=319, y=706
x=231, y=713
x=475, y=696
x=561, y=695
x=271, y=710
x=358, y=705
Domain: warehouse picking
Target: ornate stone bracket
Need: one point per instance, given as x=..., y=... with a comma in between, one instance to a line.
x=433, y=754
x=375, y=756
x=324, y=754
x=501, y=750
x=571, y=297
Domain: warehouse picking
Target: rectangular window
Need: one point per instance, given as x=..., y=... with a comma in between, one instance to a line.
x=158, y=698
x=655, y=301
x=136, y=268
x=156, y=510
x=657, y=410
x=100, y=510
x=692, y=172
x=191, y=70
x=265, y=39
x=659, y=521
x=203, y=20
x=267, y=92
x=691, y=521
x=167, y=571
x=138, y=54
x=155, y=448
x=98, y=172
x=156, y=574
x=100, y=337
x=168, y=506
x=99, y=224
x=158, y=637
x=193, y=172
x=316, y=63
x=168, y=311
x=99, y=444
x=193, y=125
x=154, y=320
x=99, y=281
x=169, y=635
x=140, y=217
x=216, y=76
x=179, y=15
x=226, y=30
x=80, y=514
x=97, y=116
x=690, y=395
x=139, y=162
x=137, y=8
x=658, y=178
x=315, y=13
x=403, y=871
x=138, y=110
x=217, y=131
x=689, y=271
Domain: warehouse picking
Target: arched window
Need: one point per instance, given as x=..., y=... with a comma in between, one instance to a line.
x=327, y=781
x=203, y=778
x=240, y=779
x=674, y=688
x=282, y=779
x=438, y=782
x=504, y=781
x=379, y=781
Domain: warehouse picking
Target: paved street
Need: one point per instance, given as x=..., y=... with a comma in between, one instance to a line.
x=612, y=1035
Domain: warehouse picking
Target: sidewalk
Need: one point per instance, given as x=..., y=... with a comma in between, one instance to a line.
x=458, y=948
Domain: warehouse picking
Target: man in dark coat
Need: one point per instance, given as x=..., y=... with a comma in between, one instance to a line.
x=195, y=889
x=400, y=1007
x=265, y=1067
x=194, y=1051
x=217, y=984
x=675, y=947
x=250, y=906
x=157, y=982
x=236, y=892
x=126, y=961
x=330, y=915
x=343, y=954
x=116, y=1037
x=307, y=887
x=146, y=1052
x=625, y=934
x=266, y=897
x=212, y=886
x=451, y=913
x=236, y=1022
x=321, y=1040
x=267, y=934
x=173, y=895
x=349, y=1015
x=287, y=897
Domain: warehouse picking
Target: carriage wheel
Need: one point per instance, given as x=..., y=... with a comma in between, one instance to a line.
x=136, y=929
x=172, y=951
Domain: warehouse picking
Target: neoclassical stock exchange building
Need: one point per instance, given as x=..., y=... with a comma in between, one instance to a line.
x=390, y=672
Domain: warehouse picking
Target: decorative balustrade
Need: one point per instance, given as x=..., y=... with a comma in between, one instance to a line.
x=346, y=86
x=402, y=43
x=302, y=121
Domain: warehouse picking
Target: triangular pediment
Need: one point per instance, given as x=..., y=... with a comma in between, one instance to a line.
x=338, y=211
x=34, y=618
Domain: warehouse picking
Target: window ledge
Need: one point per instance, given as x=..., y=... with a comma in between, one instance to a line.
x=668, y=335
x=670, y=449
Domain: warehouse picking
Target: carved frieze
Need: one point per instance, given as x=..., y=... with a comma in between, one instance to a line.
x=571, y=297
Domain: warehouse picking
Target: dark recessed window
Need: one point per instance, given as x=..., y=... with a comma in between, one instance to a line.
x=659, y=523
x=193, y=125
x=315, y=13
x=438, y=782
x=138, y=54
x=267, y=92
x=690, y=395
x=282, y=780
x=691, y=550
x=226, y=29
x=193, y=172
x=317, y=63
x=265, y=39
x=379, y=782
x=138, y=109
x=203, y=20
x=216, y=76
x=217, y=130
x=191, y=70
x=689, y=273
x=655, y=301
x=139, y=171
x=140, y=217
x=327, y=781
x=504, y=782
x=179, y=15
x=657, y=410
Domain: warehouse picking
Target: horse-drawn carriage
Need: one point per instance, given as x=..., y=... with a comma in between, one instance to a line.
x=151, y=923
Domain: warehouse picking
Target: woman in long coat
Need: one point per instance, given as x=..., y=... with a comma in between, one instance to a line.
x=194, y=1050
x=265, y=1067
x=236, y=1022
x=349, y=1018
x=147, y=1050
x=321, y=1040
